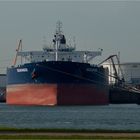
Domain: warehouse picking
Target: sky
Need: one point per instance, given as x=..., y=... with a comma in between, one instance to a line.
x=111, y=25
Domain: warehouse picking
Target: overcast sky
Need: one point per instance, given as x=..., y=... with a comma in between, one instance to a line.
x=111, y=25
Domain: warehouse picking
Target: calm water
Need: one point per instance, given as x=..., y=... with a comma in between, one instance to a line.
x=88, y=117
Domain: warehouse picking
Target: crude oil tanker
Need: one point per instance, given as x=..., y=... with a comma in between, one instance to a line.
x=57, y=75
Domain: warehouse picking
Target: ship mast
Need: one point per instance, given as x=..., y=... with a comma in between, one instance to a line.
x=57, y=38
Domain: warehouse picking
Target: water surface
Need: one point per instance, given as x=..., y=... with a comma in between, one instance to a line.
x=116, y=117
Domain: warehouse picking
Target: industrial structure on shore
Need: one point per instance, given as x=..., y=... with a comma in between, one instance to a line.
x=124, y=81
x=2, y=87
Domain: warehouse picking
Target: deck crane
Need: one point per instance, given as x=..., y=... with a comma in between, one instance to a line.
x=17, y=50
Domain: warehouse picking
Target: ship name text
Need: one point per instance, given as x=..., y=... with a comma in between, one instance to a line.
x=22, y=70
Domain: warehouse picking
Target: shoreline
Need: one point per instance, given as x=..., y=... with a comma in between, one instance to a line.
x=66, y=130
x=44, y=133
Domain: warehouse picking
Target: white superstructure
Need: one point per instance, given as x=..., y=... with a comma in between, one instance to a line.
x=59, y=51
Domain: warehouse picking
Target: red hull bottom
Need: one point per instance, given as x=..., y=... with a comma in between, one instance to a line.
x=57, y=94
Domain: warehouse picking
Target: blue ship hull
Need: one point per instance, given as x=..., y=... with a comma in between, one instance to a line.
x=57, y=83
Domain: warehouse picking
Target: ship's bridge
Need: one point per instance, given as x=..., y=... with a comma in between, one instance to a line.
x=61, y=48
